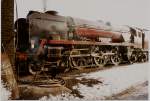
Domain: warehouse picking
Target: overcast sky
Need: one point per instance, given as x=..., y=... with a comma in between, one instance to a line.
x=118, y=12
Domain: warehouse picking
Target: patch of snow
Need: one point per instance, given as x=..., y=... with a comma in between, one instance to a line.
x=62, y=97
x=115, y=80
x=5, y=94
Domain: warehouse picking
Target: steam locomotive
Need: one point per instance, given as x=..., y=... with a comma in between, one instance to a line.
x=48, y=41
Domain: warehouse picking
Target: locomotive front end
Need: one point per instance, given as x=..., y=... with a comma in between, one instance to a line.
x=47, y=27
x=40, y=29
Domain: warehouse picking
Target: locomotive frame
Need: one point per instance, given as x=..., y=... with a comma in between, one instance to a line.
x=72, y=45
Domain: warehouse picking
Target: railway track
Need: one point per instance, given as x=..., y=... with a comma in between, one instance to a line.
x=45, y=79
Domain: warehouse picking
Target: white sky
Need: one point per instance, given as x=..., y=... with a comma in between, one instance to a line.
x=118, y=12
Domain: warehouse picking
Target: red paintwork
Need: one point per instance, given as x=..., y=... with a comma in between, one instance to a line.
x=93, y=33
x=72, y=42
x=21, y=56
x=69, y=42
x=43, y=42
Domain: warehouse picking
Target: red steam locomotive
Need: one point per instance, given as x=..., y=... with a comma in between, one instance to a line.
x=51, y=42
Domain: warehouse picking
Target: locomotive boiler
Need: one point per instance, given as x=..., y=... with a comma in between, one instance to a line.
x=50, y=42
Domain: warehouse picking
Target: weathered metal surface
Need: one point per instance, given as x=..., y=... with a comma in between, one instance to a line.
x=95, y=33
x=45, y=24
x=8, y=77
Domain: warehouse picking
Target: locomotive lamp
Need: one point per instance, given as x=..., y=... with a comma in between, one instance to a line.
x=32, y=44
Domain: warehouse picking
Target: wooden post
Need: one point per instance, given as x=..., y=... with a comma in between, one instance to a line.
x=7, y=26
x=7, y=36
x=8, y=77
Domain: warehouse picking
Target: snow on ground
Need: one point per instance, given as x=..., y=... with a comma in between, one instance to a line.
x=115, y=80
x=5, y=94
x=138, y=92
